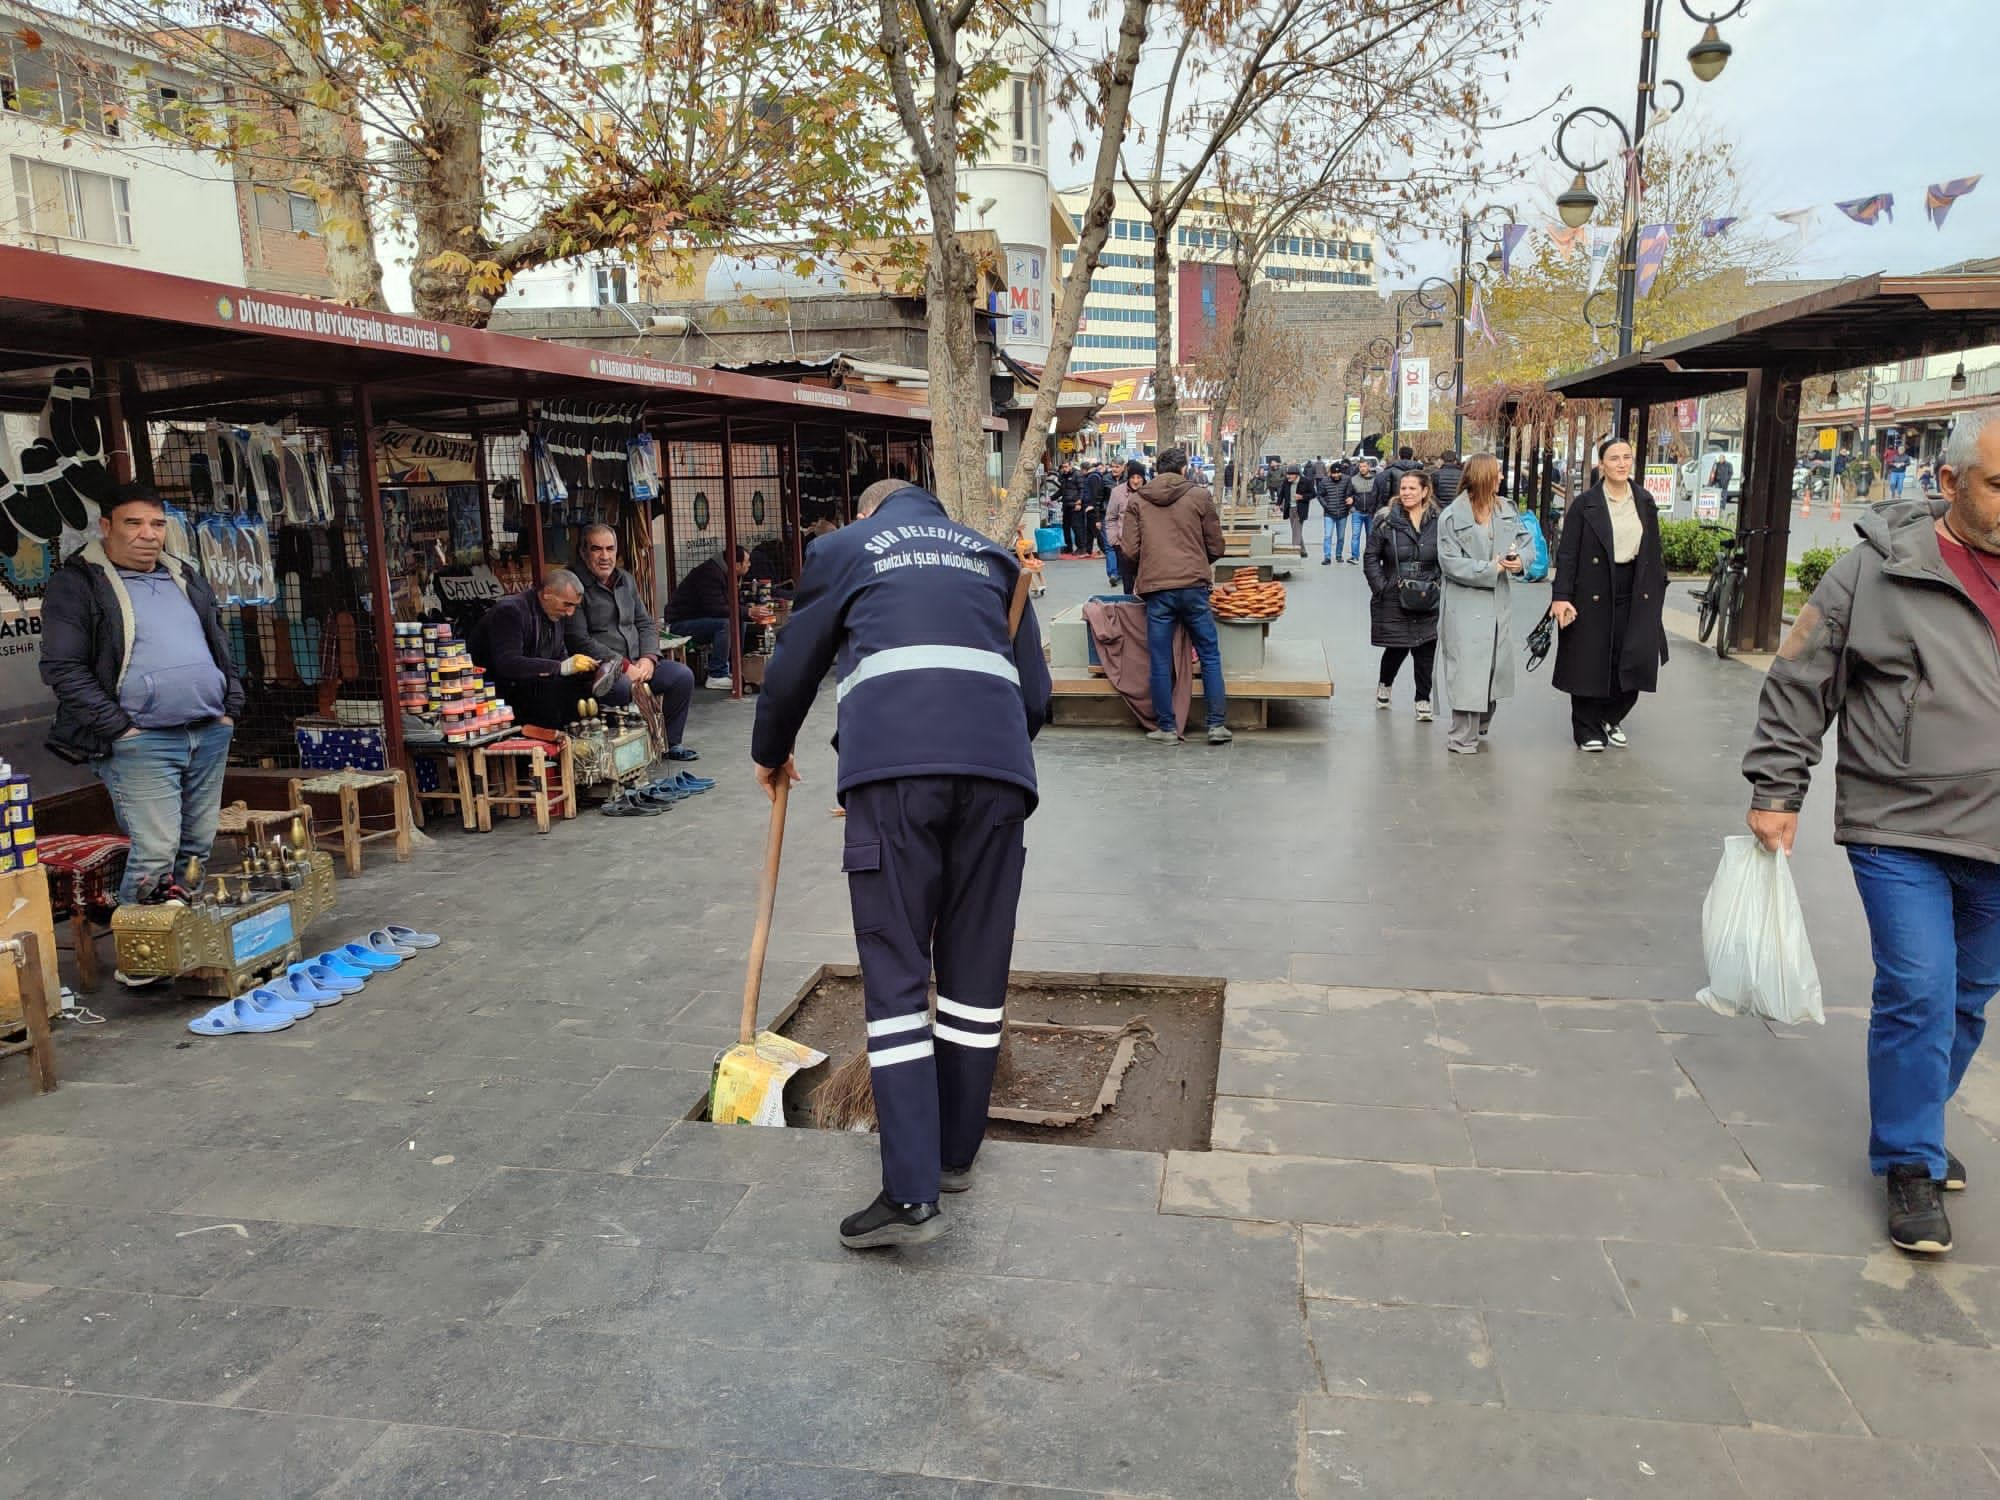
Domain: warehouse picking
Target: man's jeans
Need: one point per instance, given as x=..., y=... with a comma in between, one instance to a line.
x=713, y=634
x=1934, y=925
x=166, y=789
x=1896, y=484
x=1357, y=523
x=1189, y=607
x=1327, y=528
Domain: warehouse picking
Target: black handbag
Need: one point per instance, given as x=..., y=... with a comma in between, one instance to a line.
x=1540, y=639
x=1415, y=592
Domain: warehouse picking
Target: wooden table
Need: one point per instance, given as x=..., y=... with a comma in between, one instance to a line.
x=462, y=784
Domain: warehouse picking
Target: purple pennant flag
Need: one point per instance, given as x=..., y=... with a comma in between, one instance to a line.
x=1652, y=254
x=1710, y=228
x=1872, y=210
x=1940, y=196
x=1475, y=320
x=1510, y=241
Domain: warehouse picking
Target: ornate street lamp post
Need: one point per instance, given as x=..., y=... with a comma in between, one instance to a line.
x=1577, y=203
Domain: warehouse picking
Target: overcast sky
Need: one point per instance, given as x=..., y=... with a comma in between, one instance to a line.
x=1826, y=99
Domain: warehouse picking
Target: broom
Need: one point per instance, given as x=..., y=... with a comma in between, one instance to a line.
x=846, y=1101
x=748, y=1084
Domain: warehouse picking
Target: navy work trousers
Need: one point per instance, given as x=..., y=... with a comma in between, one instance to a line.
x=934, y=875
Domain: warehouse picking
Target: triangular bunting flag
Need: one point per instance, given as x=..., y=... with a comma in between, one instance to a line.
x=1652, y=255
x=1872, y=210
x=1568, y=242
x=1940, y=196
x=1475, y=319
x=1710, y=228
x=1801, y=219
x=1510, y=241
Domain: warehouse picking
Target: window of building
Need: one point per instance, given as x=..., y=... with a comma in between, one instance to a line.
x=609, y=285
x=1113, y=340
x=75, y=205
x=1026, y=119
x=304, y=213
x=61, y=89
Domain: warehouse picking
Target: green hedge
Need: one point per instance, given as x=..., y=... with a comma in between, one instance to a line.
x=1689, y=546
x=1812, y=565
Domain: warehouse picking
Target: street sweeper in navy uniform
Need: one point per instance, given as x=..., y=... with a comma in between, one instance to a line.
x=937, y=707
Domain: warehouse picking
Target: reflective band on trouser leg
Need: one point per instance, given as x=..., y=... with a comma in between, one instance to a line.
x=975, y=944
x=894, y=910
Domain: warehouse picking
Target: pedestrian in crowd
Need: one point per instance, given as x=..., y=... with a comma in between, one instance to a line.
x=1389, y=480
x=1897, y=464
x=1096, y=497
x=1897, y=643
x=1334, y=505
x=1450, y=474
x=937, y=708
x=146, y=691
x=1069, y=489
x=1405, y=588
x=1175, y=536
x=1479, y=549
x=1369, y=498
x=1119, y=567
x=1290, y=482
x=1229, y=478
x=1610, y=588
x=1350, y=532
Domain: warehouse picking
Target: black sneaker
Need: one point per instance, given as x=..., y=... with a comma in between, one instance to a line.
x=1954, y=1174
x=955, y=1179
x=1326, y=562
x=1917, y=1222
x=887, y=1222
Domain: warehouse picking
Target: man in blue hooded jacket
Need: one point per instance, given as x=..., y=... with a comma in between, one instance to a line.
x=937, y=708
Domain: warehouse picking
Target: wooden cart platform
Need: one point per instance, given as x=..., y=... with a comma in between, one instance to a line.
x=1292, y=669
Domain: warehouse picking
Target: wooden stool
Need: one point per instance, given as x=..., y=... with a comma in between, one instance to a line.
x=24, y=950
x=538, y=759
x=84, y=871
x=458, y=785
x=348, y=786
x=248, y=825
x=674, y=648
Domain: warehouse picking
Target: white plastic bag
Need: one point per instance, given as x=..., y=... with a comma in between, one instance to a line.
x=1754, y=936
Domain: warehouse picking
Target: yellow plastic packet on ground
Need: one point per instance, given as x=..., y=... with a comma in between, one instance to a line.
x=750, y=1089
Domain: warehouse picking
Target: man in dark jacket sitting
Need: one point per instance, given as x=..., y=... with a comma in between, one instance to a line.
x=520, y=642
x=703, y=608
x=146, y=692
x=613, y=624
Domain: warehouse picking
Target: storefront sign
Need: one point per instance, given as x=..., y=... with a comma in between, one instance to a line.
x=1660, y=483
x=328, y=320
x=649, y=371
x=1687, y=415
x=1027, y=294
x=470, y=586
x=410, y=456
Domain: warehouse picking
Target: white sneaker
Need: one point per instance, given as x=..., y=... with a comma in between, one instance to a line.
x=1616, y=735
x=1381, y=696
x=1424, y=711
x=722, y=683
x=1593, y=746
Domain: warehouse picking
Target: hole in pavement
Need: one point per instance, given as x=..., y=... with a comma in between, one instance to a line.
x=1151, y=1049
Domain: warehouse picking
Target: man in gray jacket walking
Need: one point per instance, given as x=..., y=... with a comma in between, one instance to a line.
x=1901, y=643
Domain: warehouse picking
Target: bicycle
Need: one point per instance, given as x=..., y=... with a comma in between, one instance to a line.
x=1722, y=601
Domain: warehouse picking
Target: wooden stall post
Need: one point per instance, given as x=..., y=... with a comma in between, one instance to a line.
x=531, y=508
x=729, y=557
x=795, y=510
x=1770, y=420
x=384, y=610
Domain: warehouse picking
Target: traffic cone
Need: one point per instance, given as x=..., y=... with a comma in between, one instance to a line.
x=1805, y=504
x=1836, y=505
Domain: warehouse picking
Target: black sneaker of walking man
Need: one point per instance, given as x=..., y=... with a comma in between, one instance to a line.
x=885, y=1222
x=1917, y=1221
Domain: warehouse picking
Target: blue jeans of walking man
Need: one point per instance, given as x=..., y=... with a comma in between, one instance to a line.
x=1934, y=926
x=1189, y=606
x=166, y=788
x=1353, y=522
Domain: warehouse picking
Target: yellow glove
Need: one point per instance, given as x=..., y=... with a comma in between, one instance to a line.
x=581, y=662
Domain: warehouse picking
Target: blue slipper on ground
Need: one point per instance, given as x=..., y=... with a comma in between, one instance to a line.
x=235, y=1017
x=299, y=987
x=379, y=941
x=342, y=968
x=276, y=1003
x=409, y=937
x=326, y=978
x=361, y=956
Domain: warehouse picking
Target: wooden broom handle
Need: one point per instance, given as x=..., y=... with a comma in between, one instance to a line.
x=767, y=899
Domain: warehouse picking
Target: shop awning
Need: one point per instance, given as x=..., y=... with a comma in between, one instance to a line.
x=186, y=347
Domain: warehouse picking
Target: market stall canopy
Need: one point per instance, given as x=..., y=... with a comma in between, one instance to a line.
x=1871, y=320
x=195, y=348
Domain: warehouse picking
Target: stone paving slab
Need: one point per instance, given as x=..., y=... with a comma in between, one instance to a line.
x=1492, y=1207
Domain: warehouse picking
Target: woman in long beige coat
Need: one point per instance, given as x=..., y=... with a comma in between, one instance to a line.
x=1479, y=548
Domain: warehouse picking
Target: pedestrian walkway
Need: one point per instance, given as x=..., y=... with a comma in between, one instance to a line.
x=1493, y=1209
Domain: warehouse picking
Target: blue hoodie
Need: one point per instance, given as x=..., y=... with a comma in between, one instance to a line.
x=910, y=608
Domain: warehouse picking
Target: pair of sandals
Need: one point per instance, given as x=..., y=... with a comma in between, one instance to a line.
x=314, y=983
x=656, y=797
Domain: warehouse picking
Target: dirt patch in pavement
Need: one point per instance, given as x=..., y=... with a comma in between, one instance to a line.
x=1166, y=1096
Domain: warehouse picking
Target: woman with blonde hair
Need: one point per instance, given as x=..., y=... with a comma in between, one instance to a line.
x=1479, y=549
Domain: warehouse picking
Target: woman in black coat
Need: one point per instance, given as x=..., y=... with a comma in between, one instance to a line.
x=1610, y=586
x=1403, y=544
